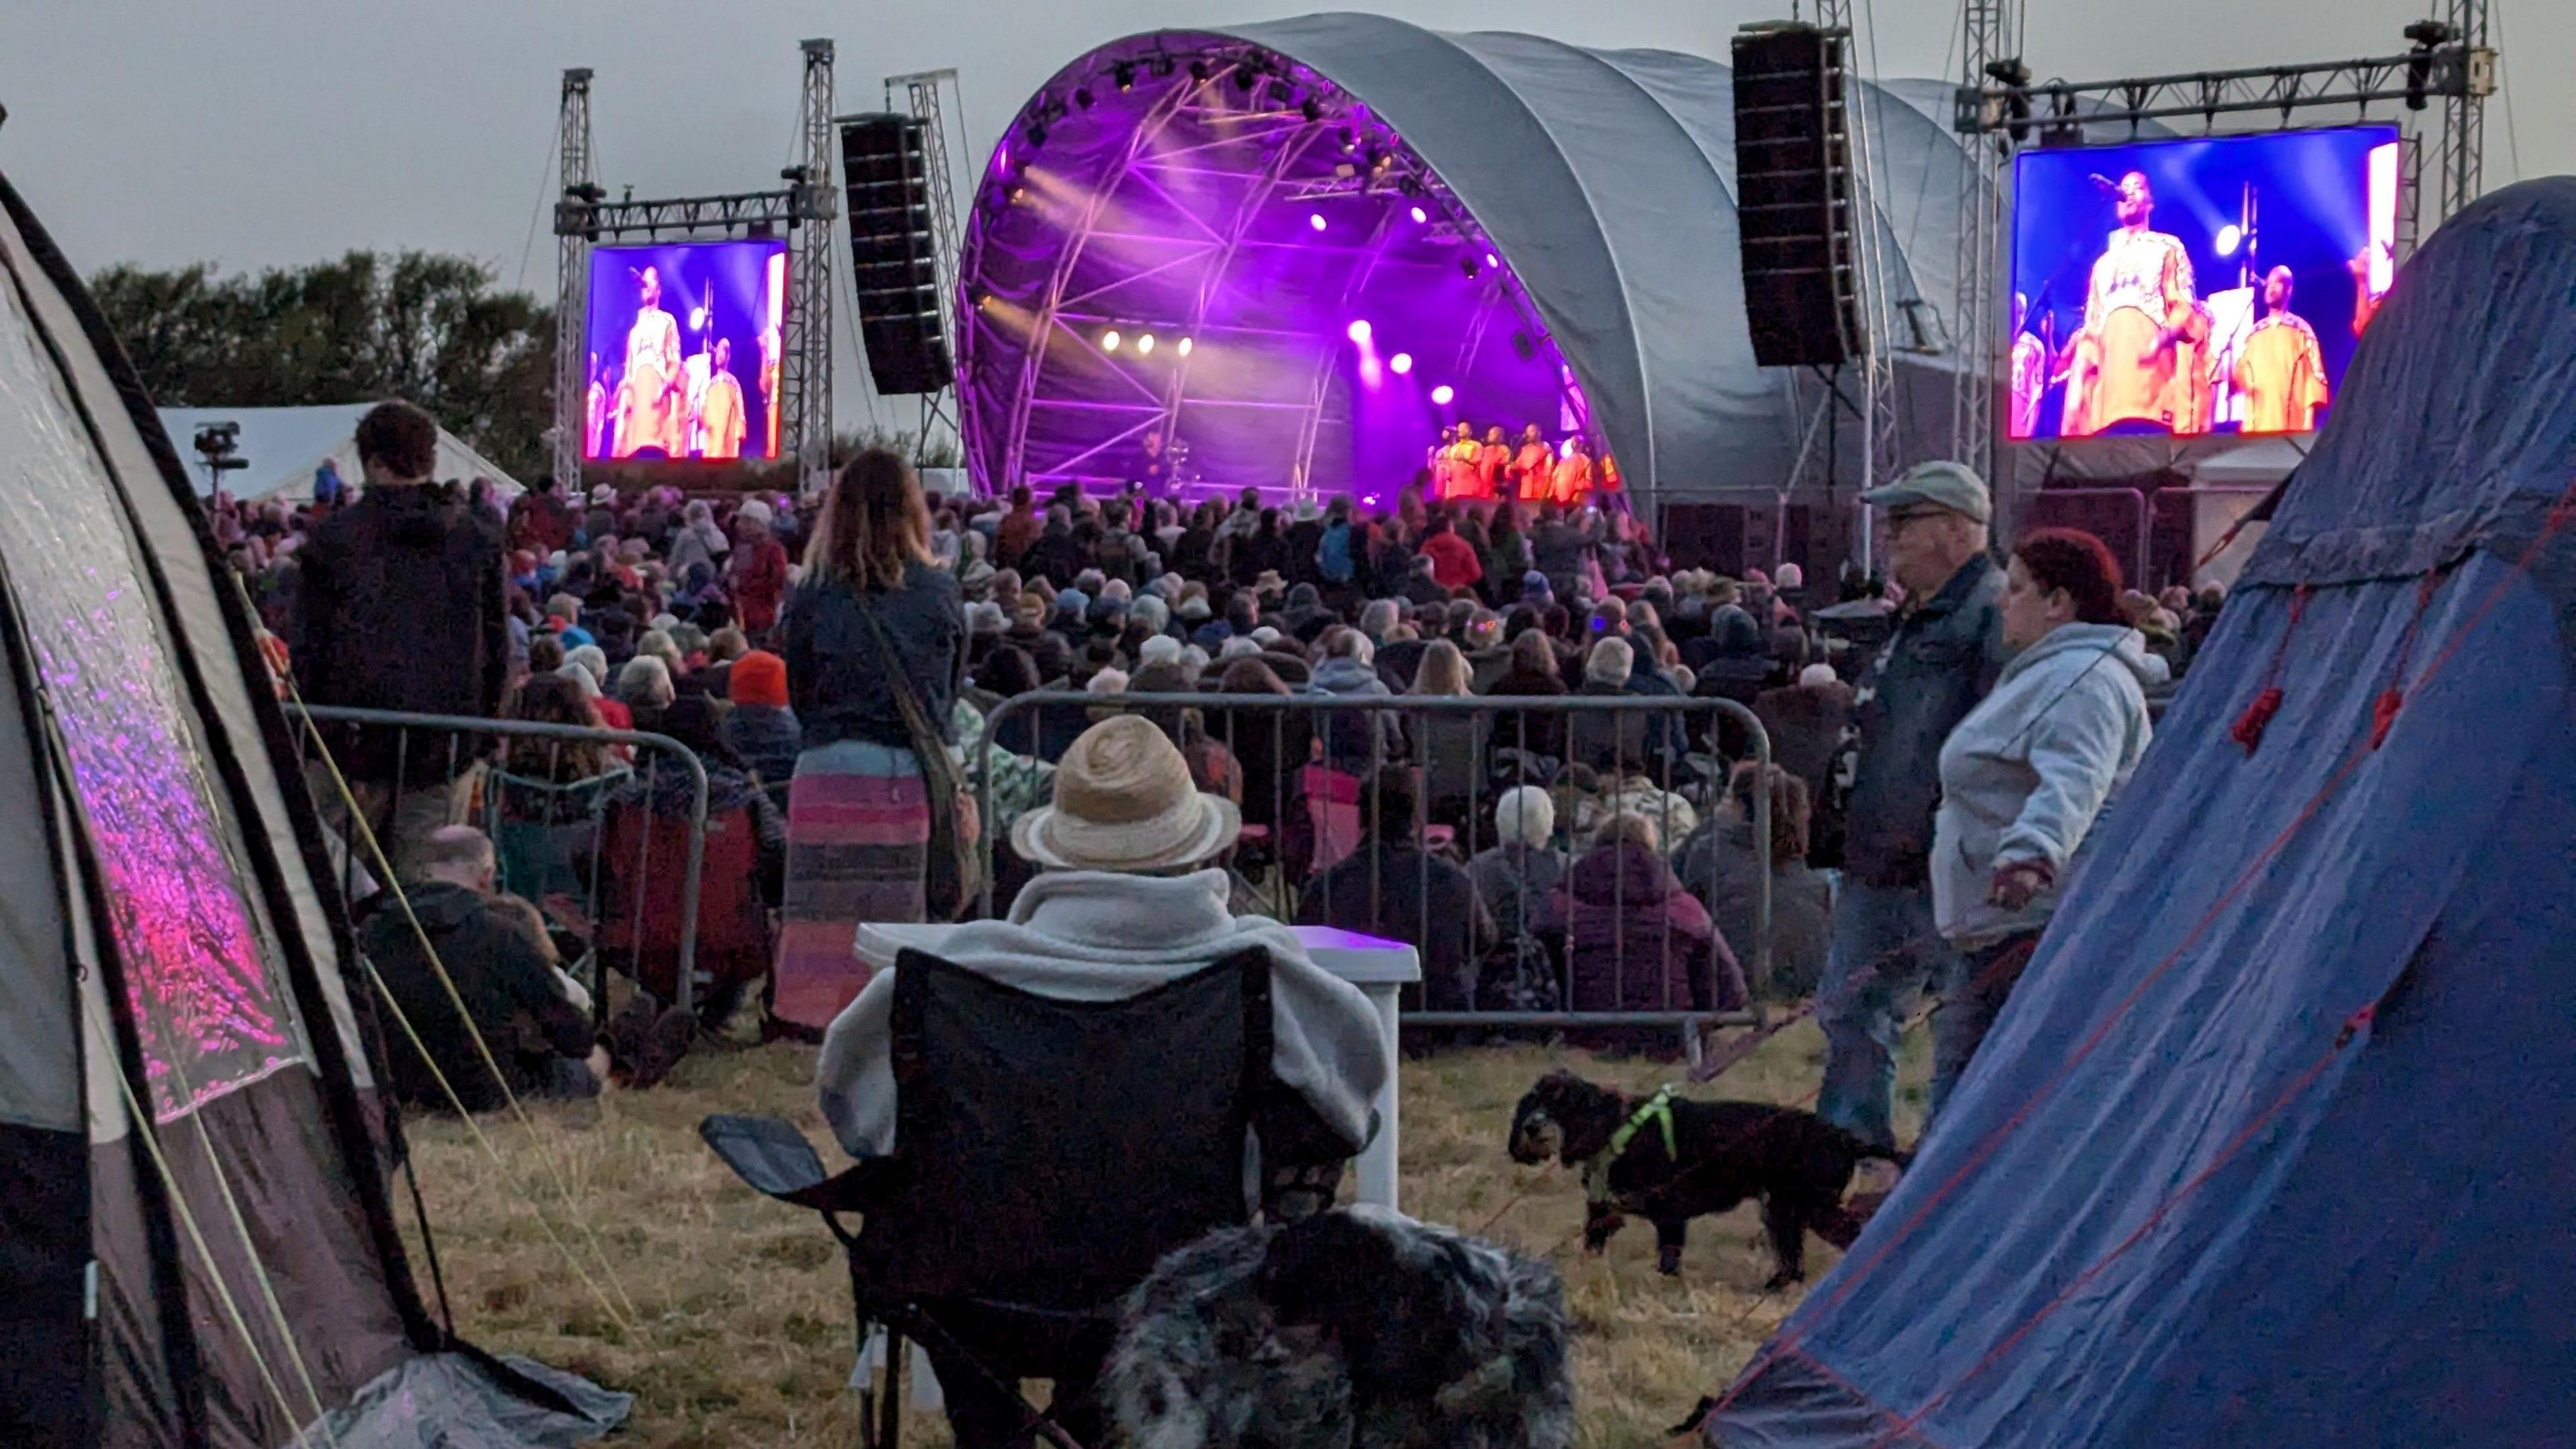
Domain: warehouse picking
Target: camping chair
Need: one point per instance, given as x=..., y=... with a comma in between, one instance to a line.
x=1011, y=1200
x=1333, y=813
x=644, y=864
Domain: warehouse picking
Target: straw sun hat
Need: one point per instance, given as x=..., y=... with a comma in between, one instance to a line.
x=1124, y=801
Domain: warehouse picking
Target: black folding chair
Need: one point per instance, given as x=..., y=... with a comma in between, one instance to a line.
x=1047, y=1152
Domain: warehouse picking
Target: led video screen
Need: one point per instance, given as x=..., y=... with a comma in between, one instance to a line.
x=684, y=346
x=2203, y=286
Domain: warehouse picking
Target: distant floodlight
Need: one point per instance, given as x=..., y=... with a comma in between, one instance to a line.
x=1109, y=340
x=1145, y=343
x=2228, y=239
x=1360, y=331
x=1443, y=395
x=1401, y=363
x=1315, y=219
x=1183, y=347
x=1420, y=216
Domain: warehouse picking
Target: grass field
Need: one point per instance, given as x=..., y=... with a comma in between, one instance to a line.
x=731, y=1317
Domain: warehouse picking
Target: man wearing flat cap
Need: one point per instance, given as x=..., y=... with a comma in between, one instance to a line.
x=1943, y=656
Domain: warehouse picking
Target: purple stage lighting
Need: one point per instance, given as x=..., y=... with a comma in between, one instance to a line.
x=1420, y=216
x=1315, y=219
x=1360, y=331
x=1145, y=343
x=1491, y=260
x=1184, y=347
x=1402, y=363
x=1109, y=340
x=1443, y=395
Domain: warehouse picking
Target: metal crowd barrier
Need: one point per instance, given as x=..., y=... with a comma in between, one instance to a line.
x=467, y=742
x=1302, y=730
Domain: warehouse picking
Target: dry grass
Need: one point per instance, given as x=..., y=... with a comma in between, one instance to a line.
x=740, y=1330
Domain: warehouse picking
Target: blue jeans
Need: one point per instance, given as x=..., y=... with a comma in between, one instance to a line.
x=1882, y=952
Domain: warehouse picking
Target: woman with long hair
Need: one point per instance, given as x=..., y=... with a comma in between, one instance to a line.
x=874, y=631
x=1444, y=745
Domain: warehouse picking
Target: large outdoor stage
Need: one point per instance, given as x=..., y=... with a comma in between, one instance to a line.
x=1292, y=255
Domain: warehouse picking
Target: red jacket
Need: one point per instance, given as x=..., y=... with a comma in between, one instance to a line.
x=1453, y=561
x=758, y=580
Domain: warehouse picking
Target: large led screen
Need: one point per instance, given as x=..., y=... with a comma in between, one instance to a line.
x=684, y=346
x=2188, y=287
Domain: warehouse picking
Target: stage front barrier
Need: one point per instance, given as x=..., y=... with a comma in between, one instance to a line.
x=551, y=835
x=1312, y=769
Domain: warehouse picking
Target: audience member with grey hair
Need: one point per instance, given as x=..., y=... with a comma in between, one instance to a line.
x=1514, y=877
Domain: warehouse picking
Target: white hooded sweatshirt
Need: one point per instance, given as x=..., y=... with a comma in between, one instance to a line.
x=2024, y=776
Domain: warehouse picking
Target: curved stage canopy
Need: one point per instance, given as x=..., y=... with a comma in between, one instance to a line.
x=1343, y=232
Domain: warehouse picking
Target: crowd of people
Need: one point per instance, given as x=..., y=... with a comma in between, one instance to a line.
x=839, y=665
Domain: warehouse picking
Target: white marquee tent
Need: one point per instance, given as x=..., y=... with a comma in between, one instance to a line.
x=283, y=447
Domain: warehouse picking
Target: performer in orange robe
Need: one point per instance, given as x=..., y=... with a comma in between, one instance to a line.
x=1491, y=460
x=1573, y=482
x=651, y=402
x=1456, y=476
x=722, y=416
x=2281, y=370
x=2134, y=312
x=1532, y=471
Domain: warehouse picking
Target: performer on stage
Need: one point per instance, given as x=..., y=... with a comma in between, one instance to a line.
x=2281, y=370
x=594, y=433
x=769, y=354
x=2365, y=302
x=1491, y=460
x=2029, y=372
x=1573, y=482
x=1455, y=474
x=1533, y=468
x=2136, y=309
x=651, y=402
x=722, y=419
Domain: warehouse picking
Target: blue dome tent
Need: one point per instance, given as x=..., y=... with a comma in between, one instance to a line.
x=2268, y=1148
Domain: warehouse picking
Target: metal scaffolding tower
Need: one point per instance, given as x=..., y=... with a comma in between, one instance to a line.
x=2464, y=126
x=1882, y=449
x=805, y=346
x=572, y=275
x=1987, y=31
x=931, y=97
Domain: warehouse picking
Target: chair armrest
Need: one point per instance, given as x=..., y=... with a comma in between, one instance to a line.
x=775, y=1159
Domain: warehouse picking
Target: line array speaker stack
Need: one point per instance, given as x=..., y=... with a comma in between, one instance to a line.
x=1793, y=197
x=893, y=258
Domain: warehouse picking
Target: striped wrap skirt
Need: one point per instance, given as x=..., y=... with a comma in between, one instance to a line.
x=858, y=842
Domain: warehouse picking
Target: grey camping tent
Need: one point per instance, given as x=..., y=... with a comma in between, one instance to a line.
x=196, y=1243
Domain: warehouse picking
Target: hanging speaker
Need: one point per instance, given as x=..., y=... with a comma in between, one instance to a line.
x=893, y=257
x=1793, y=197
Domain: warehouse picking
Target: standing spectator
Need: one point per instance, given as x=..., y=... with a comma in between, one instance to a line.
x=1444, y=745
x=403, y=607
x=540, y=521
x=699, y=543
x=757, y=577
x=1562, y=550
x=1454, y=565
x=873, y=620
x=1805, y=722
x=1355, y=742
x=1018, y=529
x=1941, y=659
x=2025, y=775
x=1532, y=674
x=1515, y=878
x=1392, y=888
x=1718, y=865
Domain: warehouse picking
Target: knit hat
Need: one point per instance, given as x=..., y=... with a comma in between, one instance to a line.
x=1124, y=801
x=754, y=511
x=758, y=677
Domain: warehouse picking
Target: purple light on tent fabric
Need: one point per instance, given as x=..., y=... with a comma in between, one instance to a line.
x=1400, y=364
x=195, y=963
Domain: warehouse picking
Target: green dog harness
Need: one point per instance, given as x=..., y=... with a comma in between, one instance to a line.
x=1657, y=1109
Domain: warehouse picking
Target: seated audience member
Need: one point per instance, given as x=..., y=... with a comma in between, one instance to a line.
x=1717, y=865
x=495, y=950
x=1635, y=940
x=1515, y=878
x=1355, y=742
x=1805, y=721
x=644, y=687
x=1121, y=906
x=1532, y=674
x=761, y=726
x=1392, y=888
x=1629, y=790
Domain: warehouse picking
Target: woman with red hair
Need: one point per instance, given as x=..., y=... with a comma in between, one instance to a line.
x=2025, y=775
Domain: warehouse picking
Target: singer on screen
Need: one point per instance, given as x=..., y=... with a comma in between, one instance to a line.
x=2136, y=311
x=651, y=404
x=2281, y=371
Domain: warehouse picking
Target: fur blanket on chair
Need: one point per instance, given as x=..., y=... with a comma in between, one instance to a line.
x=1352, y=1329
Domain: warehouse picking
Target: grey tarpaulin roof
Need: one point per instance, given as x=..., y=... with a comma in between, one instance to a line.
x=1608, y=179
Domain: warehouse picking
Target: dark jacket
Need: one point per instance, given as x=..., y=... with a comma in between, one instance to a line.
x=494, y=952
x=404, y=607
x=1717, y=865
x=1635, y=940
x=1540, y=734
x=1353, y=741
x=768, y=739
x=836, y=679
x=1421, y=900
x=1941, y=660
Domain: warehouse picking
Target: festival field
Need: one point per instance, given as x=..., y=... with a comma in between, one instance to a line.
x=738, y=1333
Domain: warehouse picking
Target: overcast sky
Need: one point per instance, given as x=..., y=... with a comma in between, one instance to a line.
x=266, y=132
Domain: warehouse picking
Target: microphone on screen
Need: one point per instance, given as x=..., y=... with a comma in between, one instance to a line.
x=2105, y=182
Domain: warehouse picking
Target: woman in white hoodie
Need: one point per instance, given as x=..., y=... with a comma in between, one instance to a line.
x=2026, y=774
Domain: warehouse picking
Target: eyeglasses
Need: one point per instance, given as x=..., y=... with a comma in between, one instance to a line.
x=1896, y=522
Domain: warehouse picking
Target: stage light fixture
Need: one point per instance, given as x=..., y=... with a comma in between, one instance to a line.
x=1420, y=216
x=1312, y=110
x=2229, y=238
x=1037, y=135
x=1082, y=97
x=1359, y=331
x=1164, y=65
x=1109, y=340
x=1443, y=395
x=1124, y=74
x=1281, y=93
x=1468, y=265
x=1315, y=219
x=1245, y=78
x=1182, y=347
x=1400, y=364
x=1144, y=343
x=1199, y=71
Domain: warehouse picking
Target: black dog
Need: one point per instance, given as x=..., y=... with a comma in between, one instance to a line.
x=1719, y=1154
